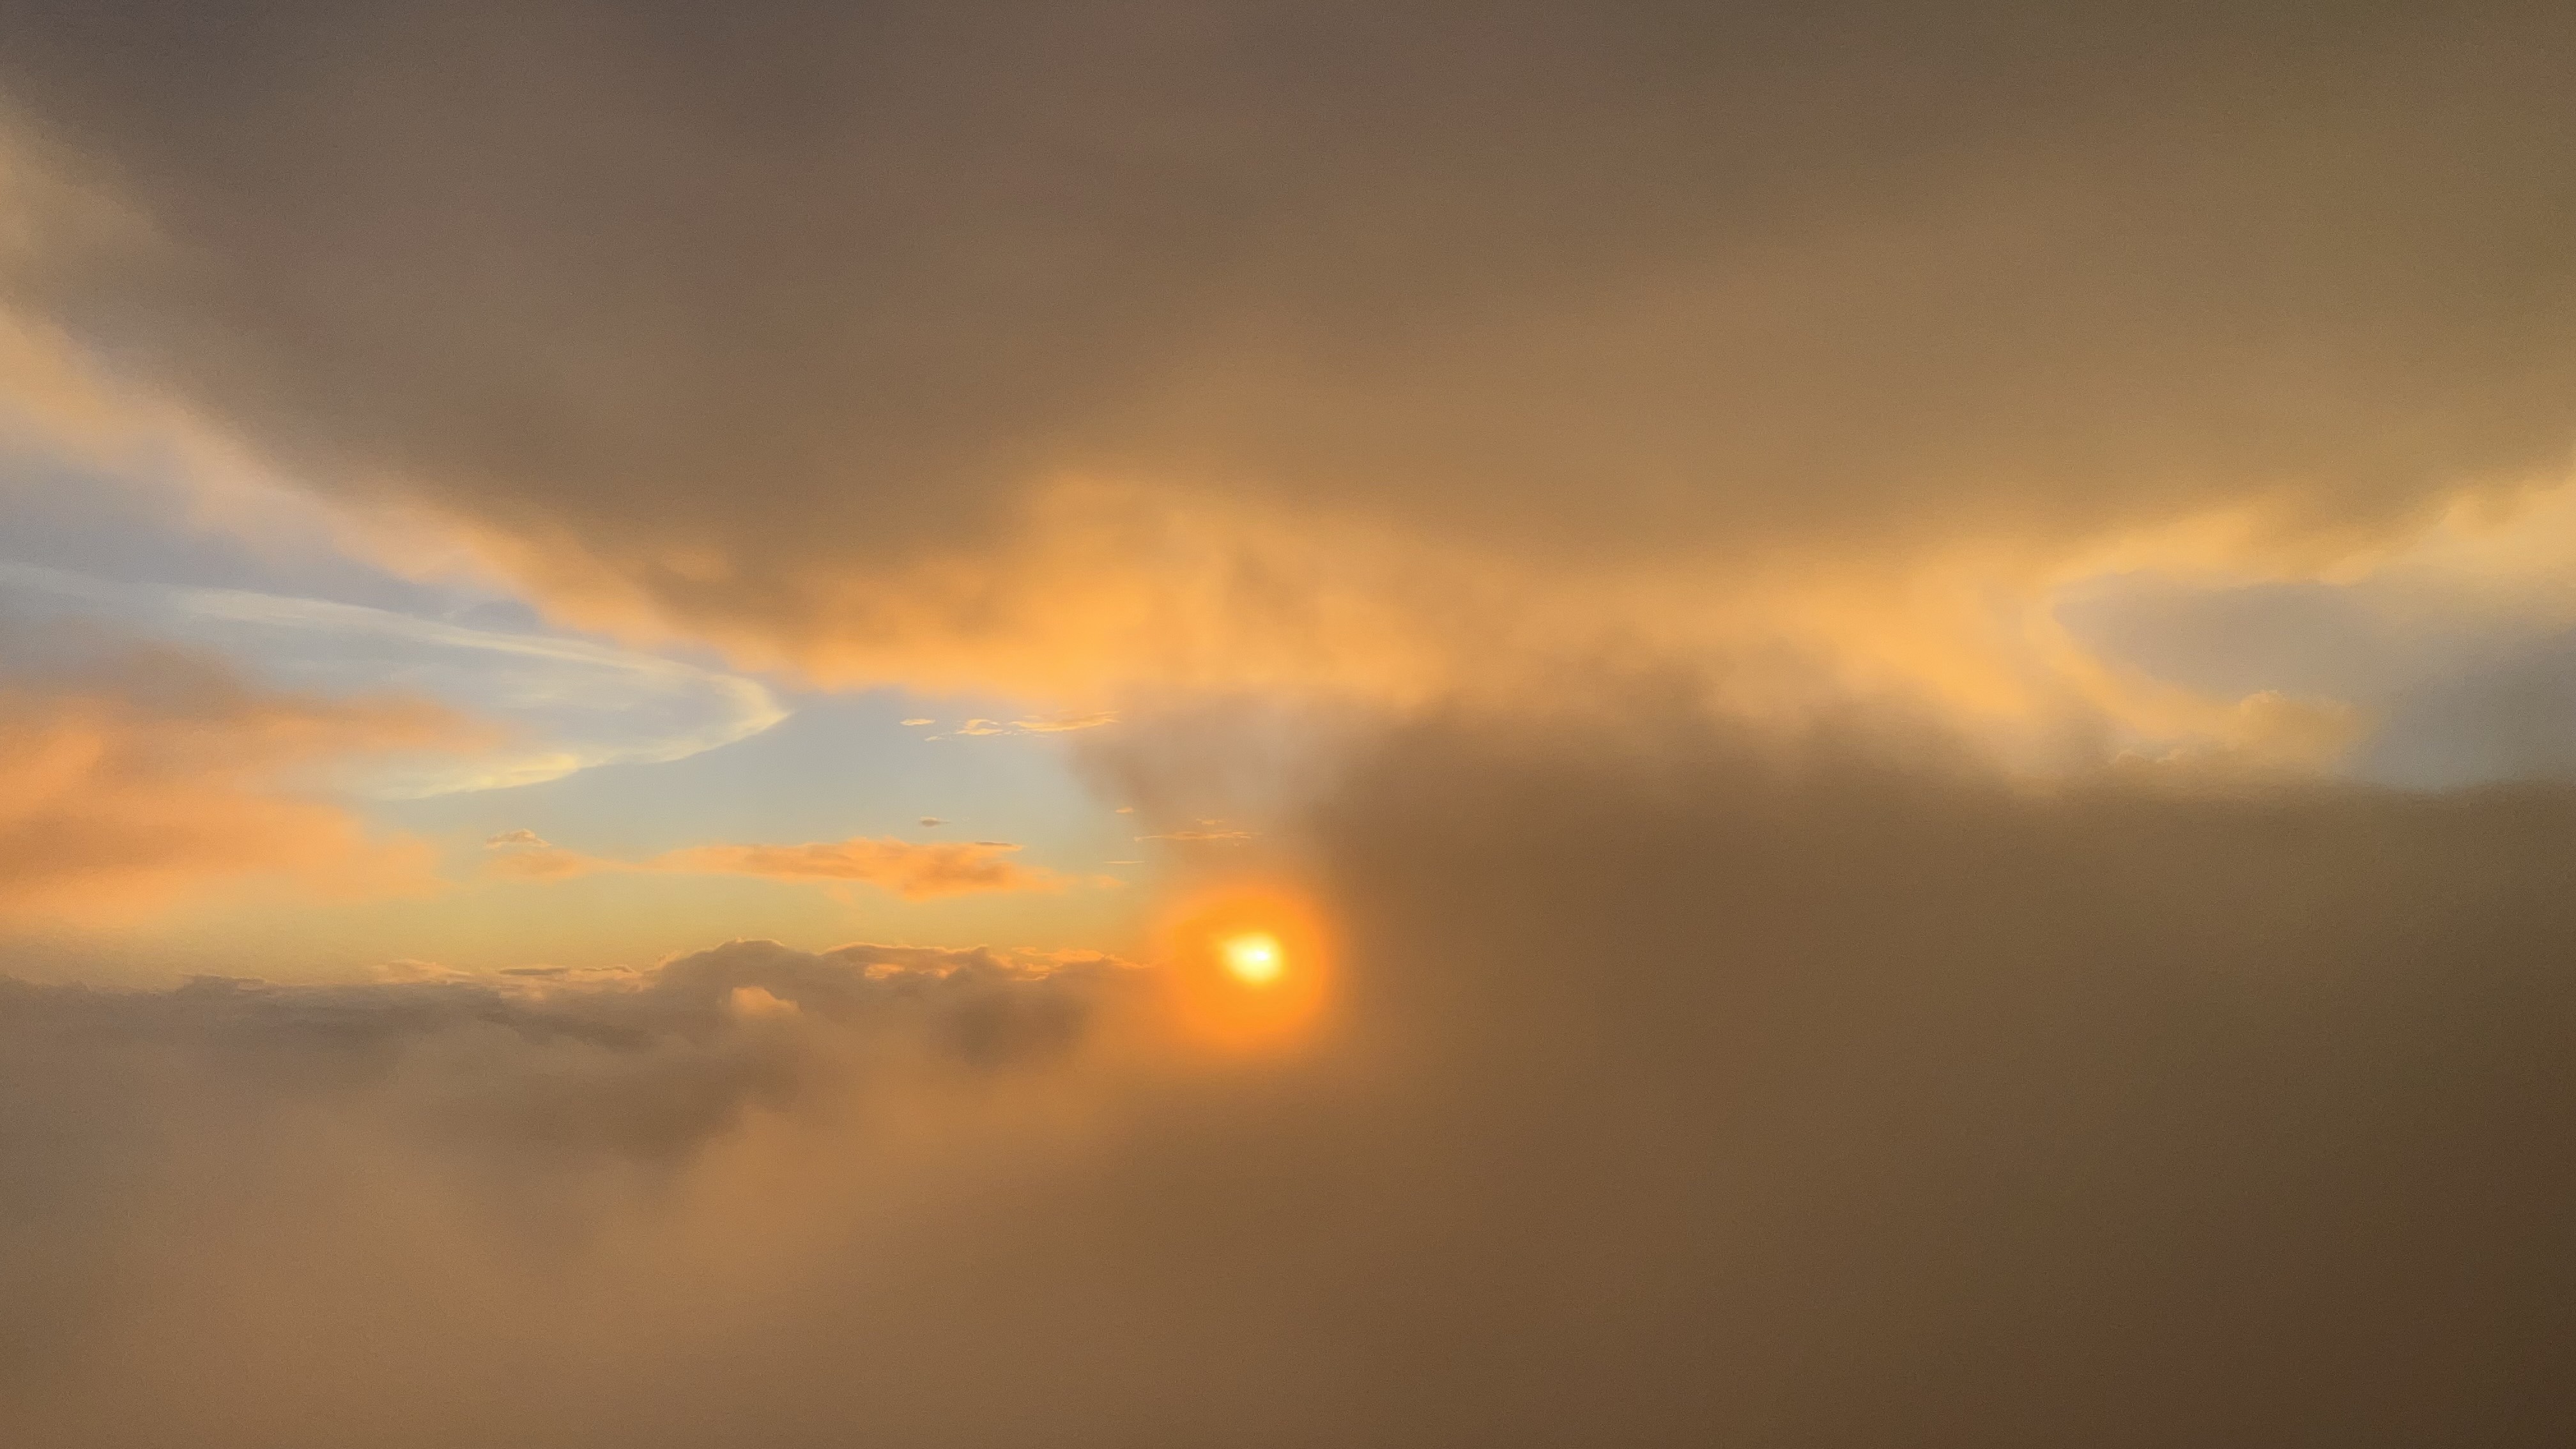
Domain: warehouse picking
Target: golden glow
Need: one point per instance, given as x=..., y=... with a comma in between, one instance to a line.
x=1249, y=966
x=1254, y=959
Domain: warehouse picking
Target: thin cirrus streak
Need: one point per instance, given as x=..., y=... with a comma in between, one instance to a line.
x=575, y=704
x=910, y=869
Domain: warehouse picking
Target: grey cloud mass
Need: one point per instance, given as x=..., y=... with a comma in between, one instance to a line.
x=729, y=299
x=1689, y=1092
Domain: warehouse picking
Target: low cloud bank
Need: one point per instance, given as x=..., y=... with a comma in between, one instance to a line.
x=1681, y=1092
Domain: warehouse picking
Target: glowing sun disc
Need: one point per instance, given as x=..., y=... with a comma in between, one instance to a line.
x=1248, y=965
x=1254, y=960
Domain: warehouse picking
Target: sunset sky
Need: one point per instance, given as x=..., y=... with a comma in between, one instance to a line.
x=1255, y=723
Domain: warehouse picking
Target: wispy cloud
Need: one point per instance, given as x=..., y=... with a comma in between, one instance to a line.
x=1037, y=725
x=120, y=795
x=568, y=704
x=1059, y=724
x=913, y=870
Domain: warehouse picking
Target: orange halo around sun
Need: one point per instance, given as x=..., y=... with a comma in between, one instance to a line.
x=1249, y=966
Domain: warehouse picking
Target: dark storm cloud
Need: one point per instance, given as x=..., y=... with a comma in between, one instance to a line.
x=1688, y=1093
x=732, y=298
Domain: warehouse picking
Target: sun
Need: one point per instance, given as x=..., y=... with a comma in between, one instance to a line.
x=1254, y=959
x=1248, y=965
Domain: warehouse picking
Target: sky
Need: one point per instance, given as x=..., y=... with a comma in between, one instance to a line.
x=1276, y=723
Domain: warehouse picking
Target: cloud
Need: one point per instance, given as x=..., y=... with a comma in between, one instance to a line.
x=571, y=704
x=930, y=820
x=911, y=869
x=509, y=838
x=757, y=1001
x=1045, y=725
x=2448, y=671
x=1058, y=724
x=127, y=790
x=921, y=722
x=1679, y=1089
x=548, y=862
x=609, y=1031
x=2005, y=1043
x=1175, y=357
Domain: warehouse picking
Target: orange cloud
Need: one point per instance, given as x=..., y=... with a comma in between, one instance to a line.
x=549, y=862
x=914, y=871
x=1811, y=440
x=1058, y=724
x=128, y=795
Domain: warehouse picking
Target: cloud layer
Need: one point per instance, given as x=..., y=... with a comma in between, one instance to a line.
x=1354, y=403
x=128, y=789
x=787, y=329
x=1682, y=1092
